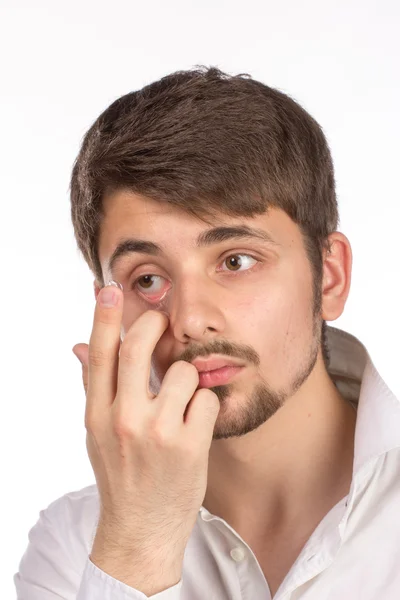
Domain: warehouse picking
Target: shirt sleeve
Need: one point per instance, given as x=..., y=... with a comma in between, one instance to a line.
x=97, y=584
x=49, y=569
x=46, y=569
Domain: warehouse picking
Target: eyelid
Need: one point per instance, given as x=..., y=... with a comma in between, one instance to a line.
x=241, y=252
x=223, y=257
x=228, y=254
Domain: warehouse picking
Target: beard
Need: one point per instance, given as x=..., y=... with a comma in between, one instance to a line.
x=259, y=406
x=264, y=402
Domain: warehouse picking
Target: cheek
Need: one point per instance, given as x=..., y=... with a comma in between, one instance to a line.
x=268, y=308
x=278, y=317
x=294, y=328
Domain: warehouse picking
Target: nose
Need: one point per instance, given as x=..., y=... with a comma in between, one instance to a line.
x=194, y=308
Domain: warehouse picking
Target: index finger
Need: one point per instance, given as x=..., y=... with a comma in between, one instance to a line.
x=103, y=348
x=136, y=354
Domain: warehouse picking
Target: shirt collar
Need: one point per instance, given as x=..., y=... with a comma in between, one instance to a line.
x=358, y=381
x=378, y=410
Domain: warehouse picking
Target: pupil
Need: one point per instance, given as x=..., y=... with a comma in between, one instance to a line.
x=233, y=261
x=146, y=279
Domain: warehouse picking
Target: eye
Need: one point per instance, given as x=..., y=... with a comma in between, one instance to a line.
x=155, y=284
x=234, y=262
x=146, y=283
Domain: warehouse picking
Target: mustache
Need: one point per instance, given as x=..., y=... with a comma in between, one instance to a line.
x=245, y=353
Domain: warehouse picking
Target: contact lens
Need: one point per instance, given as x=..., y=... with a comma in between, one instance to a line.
x=115, y=283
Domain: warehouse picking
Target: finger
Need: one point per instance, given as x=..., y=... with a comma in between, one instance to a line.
x=103, y=352
x=135, y=356
x=201, y=417
x=177, y=389
x=85, y=379
x=81, y=352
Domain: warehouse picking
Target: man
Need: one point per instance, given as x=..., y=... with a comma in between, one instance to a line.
x=241, y=447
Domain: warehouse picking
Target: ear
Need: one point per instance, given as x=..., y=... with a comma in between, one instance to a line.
x=336, y=276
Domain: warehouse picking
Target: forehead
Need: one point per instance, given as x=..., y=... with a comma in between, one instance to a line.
x=128, y=215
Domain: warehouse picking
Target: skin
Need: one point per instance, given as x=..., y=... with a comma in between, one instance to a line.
x=283, y=443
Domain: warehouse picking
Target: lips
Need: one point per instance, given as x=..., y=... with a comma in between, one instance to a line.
x=216, y=371
x=211, y=364
x=217, y=376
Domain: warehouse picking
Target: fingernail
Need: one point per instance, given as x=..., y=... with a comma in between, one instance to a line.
x=107, y=296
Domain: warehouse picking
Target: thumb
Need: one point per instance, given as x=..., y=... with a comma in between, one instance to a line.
x=81, y=353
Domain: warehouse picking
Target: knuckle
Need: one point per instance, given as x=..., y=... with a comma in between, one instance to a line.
x=130, y=350
x=159, y=434
x=124, y=429
x=92, y=422
x=97, y=357
x=160, y=439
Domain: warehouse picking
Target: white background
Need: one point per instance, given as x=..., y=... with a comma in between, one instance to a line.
x=62, y=63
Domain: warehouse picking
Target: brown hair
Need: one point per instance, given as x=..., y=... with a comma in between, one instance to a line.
x=209, y=143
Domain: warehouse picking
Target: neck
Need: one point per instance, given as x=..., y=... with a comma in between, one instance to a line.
x=290, y=471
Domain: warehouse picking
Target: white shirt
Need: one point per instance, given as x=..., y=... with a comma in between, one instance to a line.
x=353, y=554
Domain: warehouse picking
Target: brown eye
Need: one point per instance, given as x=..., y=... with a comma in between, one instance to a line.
x=145, y=281
x=233, y=262
x=239, y=262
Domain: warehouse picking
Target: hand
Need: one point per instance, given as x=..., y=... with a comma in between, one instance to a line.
x=150, y=460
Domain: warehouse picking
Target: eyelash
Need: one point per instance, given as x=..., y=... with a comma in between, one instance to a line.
x=134, y=283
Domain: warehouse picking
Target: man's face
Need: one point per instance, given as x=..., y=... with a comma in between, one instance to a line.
x=244, y=298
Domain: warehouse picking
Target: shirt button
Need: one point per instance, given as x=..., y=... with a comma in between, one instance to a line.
x=237, y=554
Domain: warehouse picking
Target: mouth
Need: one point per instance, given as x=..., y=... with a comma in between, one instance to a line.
x=218, y=376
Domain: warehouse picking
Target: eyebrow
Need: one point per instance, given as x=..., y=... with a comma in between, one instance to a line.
x=207, y=238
